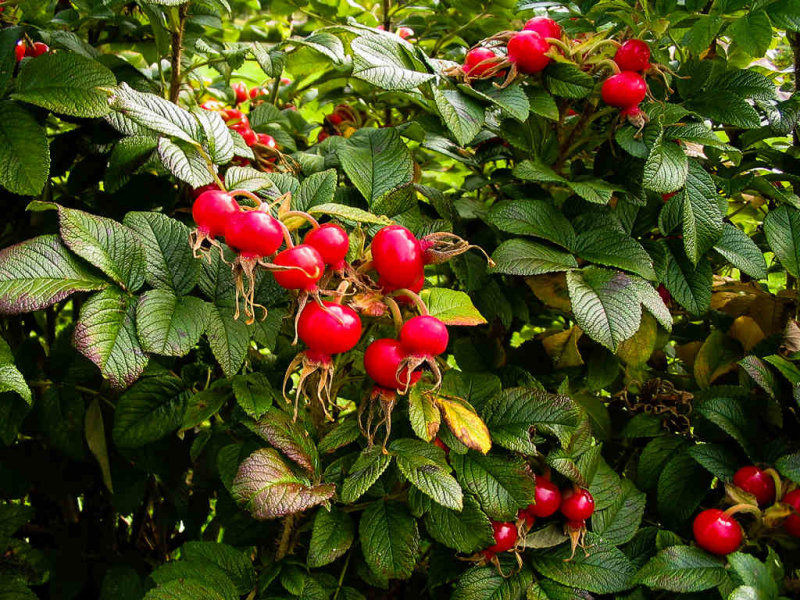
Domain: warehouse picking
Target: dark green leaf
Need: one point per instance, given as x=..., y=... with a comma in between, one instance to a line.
x=682, y=569
x=24, y=151
x=369, y=466
x=389, y=539
x=170, y=325
x=522, y=257
x=501, y=485
x=331, y=536
x=151, y=409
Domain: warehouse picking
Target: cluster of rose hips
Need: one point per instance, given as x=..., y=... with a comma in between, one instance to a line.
x=342, y=121
x=627, y=89
x=33, y=50
x=327, y=327
x=716, y=531
x=575, y=504
x=255, y=94
x=267, y=149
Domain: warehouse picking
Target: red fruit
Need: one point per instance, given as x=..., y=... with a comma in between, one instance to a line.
x=576, y=525
x=20, y=50
x=666, y=197
x=233, y=116
x=505, y=536
x=405, y=32
x=212, y=105
x=332, y=330
x=247, y=134
x=631, y=111
x=323, y=135
x=792, y=523
x=524, y=515
x=716, y=532
x=306, y=258
x=38, y=49
x=332, y=242
x=624, y=90
x=397, y=256
x=438, y=442
x=479, y=60
x=527, y=50
x=266, y=140
x=212, y=210
x=548, y=498
x=424, y=336
x=240, y=90
x=547, y=28
x=577, y=505
x=633, y=55
x=666, y=297
x=285, y=81
x=382, y=360
x=254, y=234
x=206, y=188
x=753, y=480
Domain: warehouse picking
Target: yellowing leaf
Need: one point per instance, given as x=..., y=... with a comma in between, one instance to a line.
x=451, y=307
x=551, y=288
x=637, y=349
x=718, y=355
x=465, y=423
x=747, y=331
x=562, y=347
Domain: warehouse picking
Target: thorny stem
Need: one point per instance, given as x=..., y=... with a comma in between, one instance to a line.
x=177, y=50
x=423, y=310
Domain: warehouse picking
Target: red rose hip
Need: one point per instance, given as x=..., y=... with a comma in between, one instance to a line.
x=716, y=532
x=633, y=55
x=505, y=536
x=577, y=505
x=527, y=50
x=330, y=330
x=212, y=210
x=382, y=361
x=792, y=523
x=479, y=61
x=548, y=498
x=754, y=481
x=545, y=27
x=624, y=90
x=397, y=256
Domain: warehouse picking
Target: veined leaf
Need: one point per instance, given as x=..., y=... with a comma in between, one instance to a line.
x=462, y=115
x=169, y=325
x=682, y=569
x=451, y=307
x=331, y=536
x=24, y=151
x=380, y=61
x=782, y=227
x=390, y=539
x=523, y=257
x=149, y=410
x=501, y=485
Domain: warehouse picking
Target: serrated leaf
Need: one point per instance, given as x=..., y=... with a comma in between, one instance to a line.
x=784, y=15
x=466, y=531
x=729, y=415
x=65, y=83
x=618, y=523
x=199, y=573
x=424, y=466
x=218, y=137
x=666, y=167
x=462, y=115
x=501, y=485
x=229, y=339
x=270, y=60
x=689, y=285
x=149, y=410
x=39, y=272
x=254, y=393
x=716, y=459
x=613, y=248
x=156, y=114
x=603, y=570
x=389, y=539
x=682, y=485
x=331, y=536
x=348, y=213
x=542, y=103
x=13, y=589
x=169, y=325
x=317, y=188
x=789, y=466
x=246, y=178
x=652, y=302
x=451, y=307
x=185, y=162
x=782, y=228
x=523, y=257
x=380, y=61
x=423, y=413
x=464, y=423
x=605, y=303
x=268, y=488
x=533, y=217
x=169, y=259
x=366, y=470
x=179, y=589
x=486, y=583
x=683, y=569
x=104, y=243
x=346, y=432
x=740, y=251
x=752, y=33
x=235, y=563
x=377, y=161
x=128, y=155
x=200, y=407
x=567, y=80
x=326, y=44
x=106, y=335
x=289, y=437
x=24, y=151
x=700, y=213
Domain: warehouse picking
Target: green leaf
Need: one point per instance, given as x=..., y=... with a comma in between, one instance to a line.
x=653, y=458
x=785, y=15
x=567, y=80
x=12, y=517
x=121, y=582
x=254, y=393
x=466, y=531
x=346, y=432
x=348, y=213
x=514, y=414
x=11, y=380
x=331, y=536
x=689, y=285
x=605, y=303
x=739, y=250
x=389, y=539
x=246, y=178
x=169, y=260
x=501, y=485
x=683, y=569
x=95, y=431
x=106, y=335
x=752, y=33
x=218, y=137
x=288, y=436
x=270, y=60
x=377, y=161
x=716, y=459
x=129, y=155
x=423, y=413
x=542, y=103
x=486, y=583
x=326, y=44
x=666, y=167
x=198, y=573
x=13, y=589
x=39, y=272
x=536, y=218
x=789, y=466
x=169, y=325
x=702, y=33
x=61, y=415
x=268, y=489
x=613, y=248
x=618, y=523
x=180, y=589
x=682, y=485
x=462, y=115
x=65, y=83
x=104, y=243
x=369, y=466
x=151, y=409
x=235, y=563
x=380, y=61
x=700, y=213
x=8, y=43
x=782, y=228
x=451, y=307
x=317, y=188
x=156, y=114
x=513, y=101
x=185, y=162
x=523, y=257
x=603, y=570
x=229, y=339
x=425, y=467
x=728, y=415
x=24, y=151
x=201, y=406
x=652, y=302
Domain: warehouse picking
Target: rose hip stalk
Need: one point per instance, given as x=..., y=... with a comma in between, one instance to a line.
x=327, y=329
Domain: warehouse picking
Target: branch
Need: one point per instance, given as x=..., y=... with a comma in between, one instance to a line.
x=177, y=50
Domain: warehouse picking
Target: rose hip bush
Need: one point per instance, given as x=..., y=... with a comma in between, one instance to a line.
x=387, y=300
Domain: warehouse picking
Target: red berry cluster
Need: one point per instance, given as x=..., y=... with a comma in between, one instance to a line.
x=627, y=89
x=33, y=50
x=236, y=120
x=716, y=531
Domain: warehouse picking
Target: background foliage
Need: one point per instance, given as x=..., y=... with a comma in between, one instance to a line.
x=637, y=336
